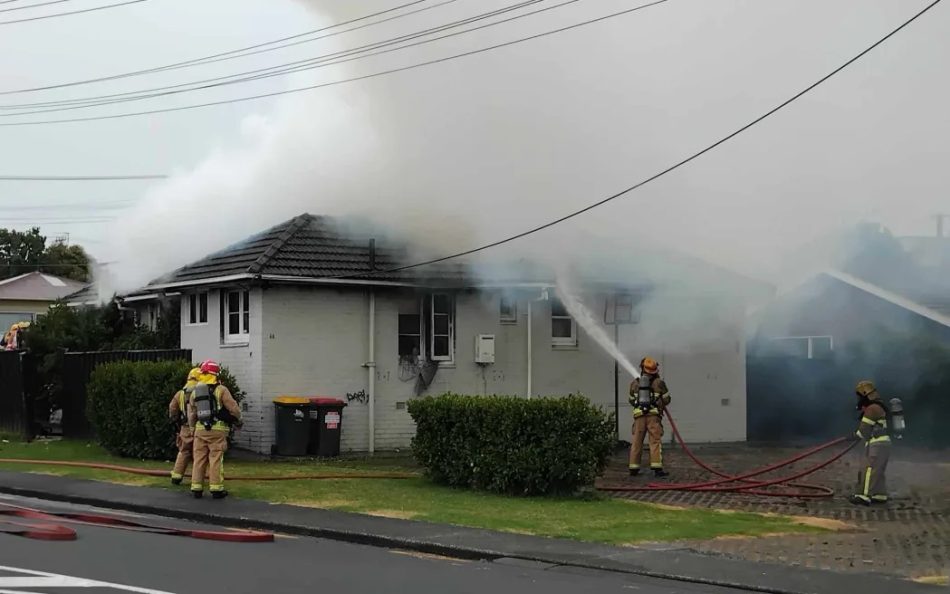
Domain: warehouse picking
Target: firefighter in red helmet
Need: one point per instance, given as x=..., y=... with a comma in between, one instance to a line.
x=648, y=396
x=212, y=411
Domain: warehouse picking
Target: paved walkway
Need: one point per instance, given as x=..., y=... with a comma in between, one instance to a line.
x=910, y=537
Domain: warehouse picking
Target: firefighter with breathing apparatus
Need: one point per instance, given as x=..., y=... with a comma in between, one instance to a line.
x=213, y=411
x=873, y=430
x=649, y=395
x=178, y=413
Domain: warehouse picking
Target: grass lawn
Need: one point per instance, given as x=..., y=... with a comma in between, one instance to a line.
x=596, y=518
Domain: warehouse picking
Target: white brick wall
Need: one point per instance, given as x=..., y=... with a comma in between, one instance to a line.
x=244, y=361
x=315, y=344
x=312, y=341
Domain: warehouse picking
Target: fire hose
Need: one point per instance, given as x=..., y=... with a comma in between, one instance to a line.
x=164, y=473
x=746, y=485
x=58, y=532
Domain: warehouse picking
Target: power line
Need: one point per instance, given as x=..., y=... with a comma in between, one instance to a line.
x=80, y=177
x=34, y=5
x=662, y=173
x=342, y=81
x=209, y=59
x=60, y=14
x=56, y=220
x=331, y=59
x=113, y=205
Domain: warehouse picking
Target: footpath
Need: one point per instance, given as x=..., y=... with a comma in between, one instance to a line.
x=675, y=562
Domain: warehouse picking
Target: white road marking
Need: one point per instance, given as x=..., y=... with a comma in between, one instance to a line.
x=43, y=579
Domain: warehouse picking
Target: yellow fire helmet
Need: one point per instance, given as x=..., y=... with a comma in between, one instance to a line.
x=866, y=389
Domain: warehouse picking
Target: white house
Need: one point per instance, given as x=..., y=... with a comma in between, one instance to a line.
x=304, y=309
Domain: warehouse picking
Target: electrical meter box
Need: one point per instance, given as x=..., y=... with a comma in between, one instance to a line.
x=485, y=348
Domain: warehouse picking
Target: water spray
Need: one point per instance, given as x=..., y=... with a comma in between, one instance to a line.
x=572, y=302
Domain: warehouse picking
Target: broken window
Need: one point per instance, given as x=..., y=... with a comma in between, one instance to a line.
x=508, y=310
x=442, y=327
x=563, y=326
x=410, y=337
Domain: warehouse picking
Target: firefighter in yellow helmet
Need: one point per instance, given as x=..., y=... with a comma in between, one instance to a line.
x=648, y=396
x=872, y=479
x=214, y=411
x=178, y=413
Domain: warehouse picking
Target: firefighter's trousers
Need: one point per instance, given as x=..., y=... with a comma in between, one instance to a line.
x=872, y=479
x=209, y=449
x=185, y=443
x=650, y=425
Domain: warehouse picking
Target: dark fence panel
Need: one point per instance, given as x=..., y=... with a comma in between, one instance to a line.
x=17, y=389
x=77, y=367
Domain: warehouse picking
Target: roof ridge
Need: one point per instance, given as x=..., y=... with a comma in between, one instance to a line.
x=295, y=225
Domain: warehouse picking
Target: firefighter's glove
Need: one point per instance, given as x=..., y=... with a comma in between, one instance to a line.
x=852, y=437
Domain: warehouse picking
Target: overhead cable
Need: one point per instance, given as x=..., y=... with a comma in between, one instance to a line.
x=214, y=57
x=342, y=81
x=62, y=14
x=331, y=59
x=662, y=173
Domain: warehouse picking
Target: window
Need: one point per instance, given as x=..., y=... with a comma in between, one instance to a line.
x=623, y=308
x=426, y=329
x=442, y=328
x=804, y=347
x=508, y=310
x=563, y=326
x=410, y=337
x=198, y=309
x=236, y=316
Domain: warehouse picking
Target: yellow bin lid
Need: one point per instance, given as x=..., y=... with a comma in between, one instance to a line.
x=291, y=400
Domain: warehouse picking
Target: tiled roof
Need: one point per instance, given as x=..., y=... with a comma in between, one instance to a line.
x=313, y=247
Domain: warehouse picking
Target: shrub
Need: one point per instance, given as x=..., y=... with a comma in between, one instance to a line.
x=512, y=445
x=128, y=405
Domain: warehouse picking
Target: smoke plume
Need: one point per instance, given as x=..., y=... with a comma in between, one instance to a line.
x=472, y=150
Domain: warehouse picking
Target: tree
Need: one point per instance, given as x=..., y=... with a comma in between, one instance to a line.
x=67, y=261
x=26, y=251
x=20, y=252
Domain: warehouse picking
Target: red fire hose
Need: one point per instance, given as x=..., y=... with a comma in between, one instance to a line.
x=164, y=473
x=57, y=532
x=752, y=487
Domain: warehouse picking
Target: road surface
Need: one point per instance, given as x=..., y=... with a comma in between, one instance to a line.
x=105, y=560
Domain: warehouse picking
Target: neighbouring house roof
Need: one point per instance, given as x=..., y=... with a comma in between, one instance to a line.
x=940, y=315
x=311, y=248
x=901, y=301
x=36, y=286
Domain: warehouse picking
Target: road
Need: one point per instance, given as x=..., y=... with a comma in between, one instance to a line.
x=108, y=561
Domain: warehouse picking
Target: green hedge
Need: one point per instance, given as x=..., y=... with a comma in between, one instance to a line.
x=513, y=445
x=128, y=405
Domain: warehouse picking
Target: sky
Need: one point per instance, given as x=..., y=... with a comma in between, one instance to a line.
x=468, y=151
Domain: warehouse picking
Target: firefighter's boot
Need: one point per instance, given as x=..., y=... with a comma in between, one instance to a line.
x=219, y=494
x=660, y=473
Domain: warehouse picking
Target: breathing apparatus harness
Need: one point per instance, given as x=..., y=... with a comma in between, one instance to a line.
x=208, y=408
x=206, y=404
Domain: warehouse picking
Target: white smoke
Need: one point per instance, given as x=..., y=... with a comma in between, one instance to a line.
x=469, y=151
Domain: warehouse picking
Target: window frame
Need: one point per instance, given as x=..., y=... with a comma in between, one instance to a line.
x=194, y=309
x=450, y=336
x=512, y=317
x=810, y=342
x=563, y=341
x=243, y=314
x=421, y=334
